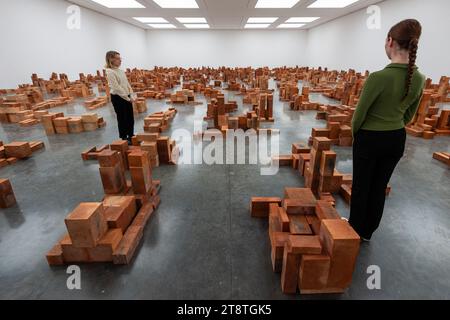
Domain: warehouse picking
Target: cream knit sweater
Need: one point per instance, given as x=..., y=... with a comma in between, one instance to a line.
x=118, y=83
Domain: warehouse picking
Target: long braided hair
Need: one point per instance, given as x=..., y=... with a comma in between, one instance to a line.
x=406, y=34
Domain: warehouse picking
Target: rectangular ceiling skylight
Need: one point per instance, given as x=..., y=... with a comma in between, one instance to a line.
x=162, y=26
x=191, y=20
x=256, y=26
x=171, y=4
x=197, y=26
x=290, y=25
x=151, y=20
x=119, y=4
x=301, y=19
x=276, y=3
x=262, y=20
x=331, y=3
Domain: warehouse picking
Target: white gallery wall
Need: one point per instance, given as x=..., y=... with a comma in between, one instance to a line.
x=35, y=39
x=234, y=48
x=347, y=42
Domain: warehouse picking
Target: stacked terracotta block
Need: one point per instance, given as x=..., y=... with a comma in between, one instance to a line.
x=338, y=134
x=96, y=103
x=443, y=157
x=57, y=123
x=184, y=97
x=264, y=108
x=311, y=246
x=110, y=231
x=159, y=121
x=12, y=152
x=288, y=90
x=7, y=197
x=140, y=105
x=428, y=122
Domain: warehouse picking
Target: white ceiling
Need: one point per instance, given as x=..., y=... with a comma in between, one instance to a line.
x=225, y=14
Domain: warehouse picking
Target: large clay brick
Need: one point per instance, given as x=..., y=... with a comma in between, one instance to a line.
x=71, y=253
x=18, y=150
x=143, y=215
x=150, y=147
x=346, y=192
x=289, y=272
x=86, y=224
x=163, y=144
x=300, y=244
x=299, y=193
x=108, y=158
x=304, y=205
x=341, y=242
x=330, y=184
x=259, y=206
x=141, y=179
x=327, y=163
x=324, y=133
x=298, y=225
x=284, y=219
x=138, y=159
x=55, y=256
x=295, y=161
x=302, y=161
x=313, y=275
x=314, y=224
x=278, y=241
x=334, y=129
x=7, y=197
x=321, y=144
x=298, y=148
x=113, y=179
x=325, y=210
x=120, y=211
x=125, y=250
x=103, y=252
x=122, y=147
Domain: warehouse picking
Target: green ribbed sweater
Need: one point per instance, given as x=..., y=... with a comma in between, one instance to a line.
x=381, y=106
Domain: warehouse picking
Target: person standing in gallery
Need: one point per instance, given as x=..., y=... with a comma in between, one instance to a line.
x=389, y=101
x=121, y=95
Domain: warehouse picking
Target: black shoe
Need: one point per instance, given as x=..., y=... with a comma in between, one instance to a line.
x=130, y=143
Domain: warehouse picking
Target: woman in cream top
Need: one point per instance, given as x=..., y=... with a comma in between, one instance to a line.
x=121, y=95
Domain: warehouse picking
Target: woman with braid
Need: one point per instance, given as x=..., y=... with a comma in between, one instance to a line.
x=388, y=102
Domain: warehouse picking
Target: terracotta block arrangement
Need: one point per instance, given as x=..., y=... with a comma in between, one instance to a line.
x=57, y=123
x=184, y=97
x=431, y=120
x=159, y=121
x=313, y=248
x=97, y=102
x=16, y=150
x=159, y=150
x=7, y=197
x=443, y=157
x=111, y=230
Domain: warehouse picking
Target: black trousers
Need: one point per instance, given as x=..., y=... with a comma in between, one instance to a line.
x=375, y=156
x=125, y=116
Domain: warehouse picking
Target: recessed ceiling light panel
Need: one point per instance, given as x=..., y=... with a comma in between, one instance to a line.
x=162, y=26
x=262, y=20
x=302, y=19
x=197, y=26
x=171, y=4
x=290, y=25
x=276, y=3
x=151, y=20
x=191, y=20
x=119, y=4
x=332, y=3
x=256, y=26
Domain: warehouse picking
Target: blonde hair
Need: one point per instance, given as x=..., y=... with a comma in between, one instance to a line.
x=109, y=56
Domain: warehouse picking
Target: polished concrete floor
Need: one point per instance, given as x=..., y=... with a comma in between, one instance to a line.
x=202, y=242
